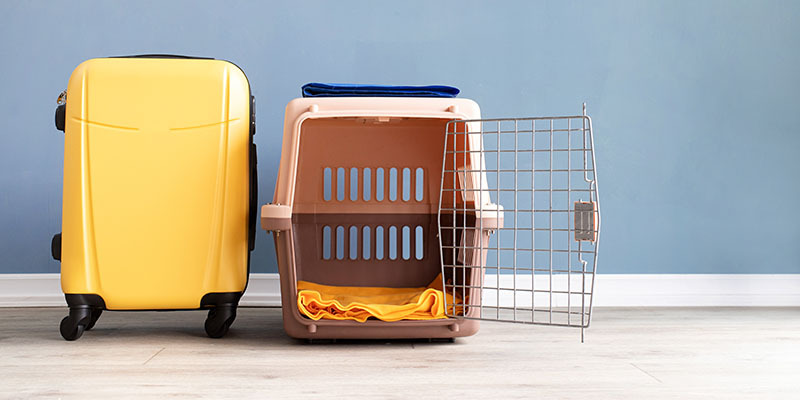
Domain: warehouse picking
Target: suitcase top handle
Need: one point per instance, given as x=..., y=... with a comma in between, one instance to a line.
x=164, y=56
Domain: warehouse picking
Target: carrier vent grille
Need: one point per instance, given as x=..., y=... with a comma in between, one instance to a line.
x=373, y=184
x=376, y=242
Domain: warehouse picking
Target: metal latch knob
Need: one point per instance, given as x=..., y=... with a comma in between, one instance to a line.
x=585, y=221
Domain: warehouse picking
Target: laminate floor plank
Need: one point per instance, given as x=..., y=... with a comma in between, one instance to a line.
x=632, y=353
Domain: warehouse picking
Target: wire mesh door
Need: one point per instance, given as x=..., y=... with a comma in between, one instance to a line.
x=519, y=220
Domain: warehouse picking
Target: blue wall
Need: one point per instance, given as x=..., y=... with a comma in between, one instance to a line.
x=696, y=105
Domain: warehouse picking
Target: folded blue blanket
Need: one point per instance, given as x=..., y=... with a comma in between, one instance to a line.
x=353, y=90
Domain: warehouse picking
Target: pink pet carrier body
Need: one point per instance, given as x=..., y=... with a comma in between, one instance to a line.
x=392, y=192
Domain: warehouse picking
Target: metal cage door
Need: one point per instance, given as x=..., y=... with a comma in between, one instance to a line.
x=519, y=220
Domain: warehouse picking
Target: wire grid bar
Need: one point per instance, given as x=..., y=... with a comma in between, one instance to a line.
x=521, y=262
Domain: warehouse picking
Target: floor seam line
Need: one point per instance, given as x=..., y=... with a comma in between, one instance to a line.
x=154, y=356
x=646, y=373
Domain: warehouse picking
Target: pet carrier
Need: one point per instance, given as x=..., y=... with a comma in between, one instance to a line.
x=376, y=196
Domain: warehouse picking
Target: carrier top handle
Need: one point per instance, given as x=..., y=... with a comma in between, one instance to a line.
x=316, y=89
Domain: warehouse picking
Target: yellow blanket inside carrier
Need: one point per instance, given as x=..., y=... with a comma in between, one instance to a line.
x=360, y=303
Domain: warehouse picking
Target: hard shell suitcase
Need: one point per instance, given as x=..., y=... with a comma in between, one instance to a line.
x=159, y=188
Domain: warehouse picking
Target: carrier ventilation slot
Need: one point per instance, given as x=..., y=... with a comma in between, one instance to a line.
x=375, y=243
x=373, y=185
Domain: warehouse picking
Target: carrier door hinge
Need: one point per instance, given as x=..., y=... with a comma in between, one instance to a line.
x=276, y=217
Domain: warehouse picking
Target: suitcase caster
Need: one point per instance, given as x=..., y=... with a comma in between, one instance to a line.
x=96, y=312
x=84, y=311
x=219, y=320
x=80, y=319
x=73, y=325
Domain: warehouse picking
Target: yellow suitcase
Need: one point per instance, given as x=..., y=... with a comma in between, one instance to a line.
x=159, y=188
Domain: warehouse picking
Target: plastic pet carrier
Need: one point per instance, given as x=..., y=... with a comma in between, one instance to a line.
x=414, y=218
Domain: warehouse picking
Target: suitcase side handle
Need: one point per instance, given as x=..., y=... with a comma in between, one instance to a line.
x=61, y=111
x=276, y=217
x=253, y=206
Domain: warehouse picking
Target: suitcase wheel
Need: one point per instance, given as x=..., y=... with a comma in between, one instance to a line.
x=219, y=320
x=80, y=319
x=96, y=312
x=69, y=330
x=73, y=325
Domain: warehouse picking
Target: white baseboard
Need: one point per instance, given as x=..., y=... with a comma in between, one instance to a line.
x=44, y=290
x=622, y=290
x=698, y=290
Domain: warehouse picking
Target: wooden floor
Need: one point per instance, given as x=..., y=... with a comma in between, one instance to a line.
x=629, y=354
